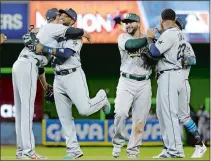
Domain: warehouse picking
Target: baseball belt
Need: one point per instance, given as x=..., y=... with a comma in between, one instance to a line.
x=130, y=76
x=65, y=71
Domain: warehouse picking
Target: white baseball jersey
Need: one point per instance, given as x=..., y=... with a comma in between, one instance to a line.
x=130, y=65
x=171, y=44
x=74, y=61
x=47, y=36
x=188, y=52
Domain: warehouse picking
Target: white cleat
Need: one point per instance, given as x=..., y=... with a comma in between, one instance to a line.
x=116, y=154
x=133, y=156
x=162, y=153
x=199, y=151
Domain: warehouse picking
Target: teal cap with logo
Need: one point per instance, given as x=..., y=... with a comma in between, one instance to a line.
x=131, y=17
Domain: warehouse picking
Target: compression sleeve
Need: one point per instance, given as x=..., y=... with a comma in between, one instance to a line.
x=135, y=44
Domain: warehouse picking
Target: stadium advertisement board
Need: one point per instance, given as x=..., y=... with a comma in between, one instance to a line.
x=96, y=132
x=93, y=16
x=14, y=19
x=96, y=17
x=7, y=101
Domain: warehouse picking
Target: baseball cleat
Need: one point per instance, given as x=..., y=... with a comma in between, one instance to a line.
x=115, y=154
x=133, y=156
x=73, y=155
x=18, y=155
x=199, y=151
x=107, y=107
x=32, y=156
x=162, y=153
x=168, y=156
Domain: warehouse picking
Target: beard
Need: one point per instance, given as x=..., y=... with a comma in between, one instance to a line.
x=131, y=30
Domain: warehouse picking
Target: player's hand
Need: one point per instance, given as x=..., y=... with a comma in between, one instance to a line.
x=39, y=48
x=35, y=30
x=48, y=86
x=3, y=38
x=87, y=36
x=150, y=33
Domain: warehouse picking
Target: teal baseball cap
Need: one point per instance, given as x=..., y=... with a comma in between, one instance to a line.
x=131, y=17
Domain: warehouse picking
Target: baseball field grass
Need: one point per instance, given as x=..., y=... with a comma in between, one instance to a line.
x=97, y=153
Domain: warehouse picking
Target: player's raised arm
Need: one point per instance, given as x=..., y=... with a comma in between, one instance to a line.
x=164, y=42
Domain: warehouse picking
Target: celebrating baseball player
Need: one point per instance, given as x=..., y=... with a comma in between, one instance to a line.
x=25, y=71
x=134, y=88
x=70, y=87
x=171, y=45
x=184, y=109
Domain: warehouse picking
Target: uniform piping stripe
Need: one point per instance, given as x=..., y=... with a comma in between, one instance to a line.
x=87, y=95
x=187, y=96
x=29, y=104
x=170, y=111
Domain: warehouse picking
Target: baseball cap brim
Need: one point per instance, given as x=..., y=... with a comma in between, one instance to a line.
x=63, y=11
x=129, y=20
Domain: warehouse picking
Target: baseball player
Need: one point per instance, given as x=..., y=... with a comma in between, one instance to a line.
x=134, y=88
x=3, y=38
x=25, y=72
x=171, y=45
x=184, y=109
x=70, y=87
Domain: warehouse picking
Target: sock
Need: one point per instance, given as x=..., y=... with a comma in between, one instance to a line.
x=192, y=128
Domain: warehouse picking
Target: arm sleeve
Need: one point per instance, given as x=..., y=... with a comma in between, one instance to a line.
x=122, y=40
x=64, y=53
x=135, y=44
x=189, y=55
x=72, y=32
x=164, y=42
x=40, y=71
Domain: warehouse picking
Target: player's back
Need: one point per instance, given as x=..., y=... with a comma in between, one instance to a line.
x=49, y=34
x=172, y=44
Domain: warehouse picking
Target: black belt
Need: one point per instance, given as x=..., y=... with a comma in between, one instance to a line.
x=135, y=77
x=27, y=57
x=162, y=71
x=65, y=71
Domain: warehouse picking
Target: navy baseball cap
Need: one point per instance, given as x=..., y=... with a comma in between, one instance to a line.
x=52, y=13
x=70, y=12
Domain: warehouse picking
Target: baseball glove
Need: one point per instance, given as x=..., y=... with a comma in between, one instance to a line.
x=49, y=96
x=30, y=41
x=148, y=59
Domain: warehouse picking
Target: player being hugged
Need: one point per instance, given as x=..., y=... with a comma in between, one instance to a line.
x=70, y=86
x=30, y=63
x=172, y=46
x=134, y=87
x=188, y=60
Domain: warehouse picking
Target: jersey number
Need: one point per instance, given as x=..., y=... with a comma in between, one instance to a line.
x=181, y=50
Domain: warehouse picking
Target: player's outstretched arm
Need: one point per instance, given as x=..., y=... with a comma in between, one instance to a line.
x=162, y=44
x=58, y=52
